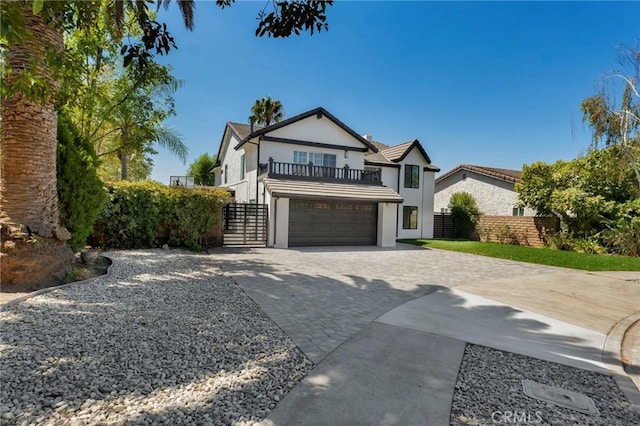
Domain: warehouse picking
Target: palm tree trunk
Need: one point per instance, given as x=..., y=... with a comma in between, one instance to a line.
x=124, y=166
x=28, y=194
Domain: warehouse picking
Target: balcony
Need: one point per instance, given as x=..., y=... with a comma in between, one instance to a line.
x=310, y=172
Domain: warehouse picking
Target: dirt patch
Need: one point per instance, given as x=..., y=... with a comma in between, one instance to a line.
x=79, y=271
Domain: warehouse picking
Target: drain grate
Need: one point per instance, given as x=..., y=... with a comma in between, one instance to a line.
x=558, y=396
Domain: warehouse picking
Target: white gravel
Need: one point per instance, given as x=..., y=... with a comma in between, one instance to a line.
x=165, y=338
x=489, y=392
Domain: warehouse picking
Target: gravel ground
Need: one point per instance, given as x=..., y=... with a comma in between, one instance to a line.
x=165, y=338
x=489, y=392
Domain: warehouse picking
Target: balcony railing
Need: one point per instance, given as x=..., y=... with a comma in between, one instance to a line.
x=320, y=173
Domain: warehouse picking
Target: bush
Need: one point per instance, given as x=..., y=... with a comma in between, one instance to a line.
x=623, y=237
x=464, y=210
x=81, y=193
x=505, y=236
x=559, y=241
x=147, y=214
x=588, y=245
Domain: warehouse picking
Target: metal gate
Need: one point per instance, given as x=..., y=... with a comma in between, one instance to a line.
x=245, y=224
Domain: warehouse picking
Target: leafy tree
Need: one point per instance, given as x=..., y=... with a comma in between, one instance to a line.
x=81, y=193
x=36, y=62
x=464, y=210
x=136, y=122
x=618, y=124
x=200, y=169
x=266, y=111
x=588, y=194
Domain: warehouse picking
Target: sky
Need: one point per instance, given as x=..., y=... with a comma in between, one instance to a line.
x=495, y=84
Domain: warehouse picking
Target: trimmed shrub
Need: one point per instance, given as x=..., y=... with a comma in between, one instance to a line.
x=81, y=193
x=148, y=214
x=464, y=210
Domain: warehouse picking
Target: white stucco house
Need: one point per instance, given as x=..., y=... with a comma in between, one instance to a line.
x=324, y=184
x=493, y=189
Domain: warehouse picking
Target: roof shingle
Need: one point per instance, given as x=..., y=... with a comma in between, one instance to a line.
x=298, y=189
x=508, y=175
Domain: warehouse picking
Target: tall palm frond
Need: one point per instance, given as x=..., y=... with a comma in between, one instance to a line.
x=168, y=138
x=187, y=10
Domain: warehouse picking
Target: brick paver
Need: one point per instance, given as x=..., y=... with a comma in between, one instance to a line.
x=322, y=296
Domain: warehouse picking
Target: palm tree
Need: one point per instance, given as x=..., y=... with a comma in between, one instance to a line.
x=28, y=196
x=266, y=111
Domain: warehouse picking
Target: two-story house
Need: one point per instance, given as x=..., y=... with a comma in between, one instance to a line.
x=324, y=184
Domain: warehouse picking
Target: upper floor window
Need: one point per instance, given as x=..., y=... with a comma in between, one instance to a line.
x=411, y=176
x=242, y=166
x=317, y=158
x=226, y=173
x=324, y=160
x=518, y=211
x=300, y=157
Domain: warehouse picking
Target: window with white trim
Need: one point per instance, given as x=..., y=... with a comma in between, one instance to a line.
x=518, y=211
x=242, y=166
x=300, y=157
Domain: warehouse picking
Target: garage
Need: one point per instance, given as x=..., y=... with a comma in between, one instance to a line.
x=332, y=223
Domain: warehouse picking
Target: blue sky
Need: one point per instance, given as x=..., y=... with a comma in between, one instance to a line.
x=488, y=83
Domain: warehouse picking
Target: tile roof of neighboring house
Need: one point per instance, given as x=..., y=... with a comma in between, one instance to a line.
x=327, y=190
x=395, y=154
x=503, y=174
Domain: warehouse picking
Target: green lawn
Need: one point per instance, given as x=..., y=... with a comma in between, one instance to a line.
x=543, y=256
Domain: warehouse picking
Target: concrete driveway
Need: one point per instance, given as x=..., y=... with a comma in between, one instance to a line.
x=388, y=327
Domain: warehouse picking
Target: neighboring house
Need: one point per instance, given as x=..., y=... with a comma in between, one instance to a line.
x=492, y=188
x=324, y=184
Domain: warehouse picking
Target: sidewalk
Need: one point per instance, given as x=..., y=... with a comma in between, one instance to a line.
x=403, y=367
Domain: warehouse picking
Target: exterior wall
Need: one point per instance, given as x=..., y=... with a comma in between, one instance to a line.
x=387, y=218
x=389, y=176
x=283, y=152
x=524, y=230
x=245, y=189
x=494, y=196
x=421, y=197
x=427, y=204
x=281, y=231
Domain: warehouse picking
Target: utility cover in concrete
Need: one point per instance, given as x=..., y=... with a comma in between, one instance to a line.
x=558, y=396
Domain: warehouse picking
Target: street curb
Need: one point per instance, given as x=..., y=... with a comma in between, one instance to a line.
x=612, y=357
x=10, y=303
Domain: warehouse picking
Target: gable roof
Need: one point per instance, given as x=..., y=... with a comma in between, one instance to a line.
x=507, y=175
x=319, y=112
x=241, y=131
x=395, y=154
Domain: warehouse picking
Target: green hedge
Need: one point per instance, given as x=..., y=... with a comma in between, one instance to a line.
x=148, y=214
x=81, y=194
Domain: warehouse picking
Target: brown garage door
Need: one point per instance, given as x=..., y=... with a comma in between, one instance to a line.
x=329, y=223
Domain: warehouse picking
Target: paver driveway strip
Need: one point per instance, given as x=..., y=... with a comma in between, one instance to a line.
x=322, y=296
